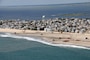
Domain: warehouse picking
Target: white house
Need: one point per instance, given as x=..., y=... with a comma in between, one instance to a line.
x=48, y=30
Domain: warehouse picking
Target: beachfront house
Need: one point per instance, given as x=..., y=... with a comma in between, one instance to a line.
x=48, y=30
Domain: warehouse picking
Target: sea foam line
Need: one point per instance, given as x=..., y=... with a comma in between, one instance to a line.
x=41, y=41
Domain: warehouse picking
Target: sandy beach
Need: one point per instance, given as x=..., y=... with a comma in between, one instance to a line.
x=55, y=37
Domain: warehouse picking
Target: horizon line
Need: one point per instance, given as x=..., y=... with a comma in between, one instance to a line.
x=47, y=4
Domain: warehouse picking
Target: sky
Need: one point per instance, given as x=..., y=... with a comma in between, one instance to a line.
x=37, y=2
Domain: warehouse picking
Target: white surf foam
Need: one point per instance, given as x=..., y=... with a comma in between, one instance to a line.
x=41, y=41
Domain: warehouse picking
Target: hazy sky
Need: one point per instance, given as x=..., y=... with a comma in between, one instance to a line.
x=37, y=2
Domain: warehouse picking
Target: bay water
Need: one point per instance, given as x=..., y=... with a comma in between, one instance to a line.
x=36, y=12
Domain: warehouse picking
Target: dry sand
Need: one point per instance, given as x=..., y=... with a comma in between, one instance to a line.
x=55, y=37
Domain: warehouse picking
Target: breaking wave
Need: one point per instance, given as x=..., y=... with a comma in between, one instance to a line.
x=41, y=41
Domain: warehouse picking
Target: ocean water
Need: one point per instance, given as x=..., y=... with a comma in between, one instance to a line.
x=81, y=10
x=14, y=47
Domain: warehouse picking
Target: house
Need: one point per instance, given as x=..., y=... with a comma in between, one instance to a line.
x=48, y=30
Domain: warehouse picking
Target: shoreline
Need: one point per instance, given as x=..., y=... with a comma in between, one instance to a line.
x=75, y=40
